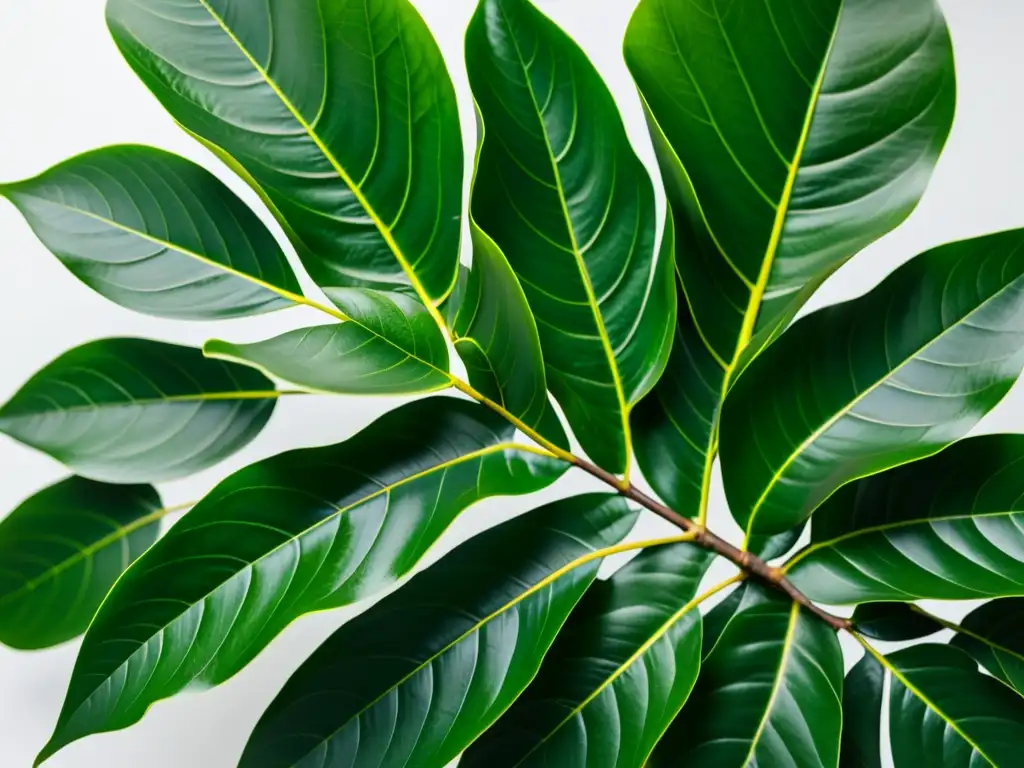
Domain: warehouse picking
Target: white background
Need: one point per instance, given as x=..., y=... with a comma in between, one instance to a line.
x=64, y=89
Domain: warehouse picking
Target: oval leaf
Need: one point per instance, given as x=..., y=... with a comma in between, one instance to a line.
x=134, y=410
x=62, y=550
x=893, y=622
x=884, y=379
x=304, y=531
x=617, y=676
x=156, y=233
x=863, y=691
x=992, y=635
x=340, y=113
x=562, y=193
x=415, y=679
x=950, y=527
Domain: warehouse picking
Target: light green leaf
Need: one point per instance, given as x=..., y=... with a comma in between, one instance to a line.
x=992, y=635
x=863, y=691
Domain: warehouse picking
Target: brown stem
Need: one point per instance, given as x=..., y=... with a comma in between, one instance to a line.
x=746, y=561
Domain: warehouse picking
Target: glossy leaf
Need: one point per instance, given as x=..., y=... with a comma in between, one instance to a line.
x=718, y=618
x=60, y=552
x=768, y=694
x=878, y=381
x=863, y=691
x=389, y=345
x=156, y=233
x=992, y=635
x=340, y=113
x=893, y=622
x=950, y=527
x=789, y=138
x=134, y=410
x=771, y=547
x=619, y=673
x=562, y=193
x=304, y=531
x=415, y=679
x=944, y=713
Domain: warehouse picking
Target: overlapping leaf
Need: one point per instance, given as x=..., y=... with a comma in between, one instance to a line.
x=340, y=112
x=411, y=682
x=617, y=676
x=562, y=193
x=887, y=378
x=992, y=635
x=303, y=531
x=134, y=410
x=60, y=552
x=948, y=527
x=789, y=138
x=893, y=622
x=863, y=692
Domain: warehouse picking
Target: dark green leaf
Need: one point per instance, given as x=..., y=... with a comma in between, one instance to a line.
x=304, y=531
x=617, y=676
x=884, y=379
x=893, y=622
x=943, y=713
x=134, y=410
x=340, y=113
x=770, y=547
x=562, y=193
x=62, y=550
x=769, y=694
x=863, y=691
x=789, y=138
x=949, y=527
x=992, y=635
x=156, y=233
x=717, y=619
x=389, y=345
x=414, y=680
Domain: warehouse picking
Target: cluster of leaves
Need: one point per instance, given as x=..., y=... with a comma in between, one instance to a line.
x=789, y=136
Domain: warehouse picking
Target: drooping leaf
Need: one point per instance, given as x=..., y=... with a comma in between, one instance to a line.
x=944, y=713
x=863, y=691
x=893, y=622
x=878, y=381
x=389, y=345
x=156, y=233
x=950, y=527
x=415, y=679
x=60, y=552
x=617, y=676
x=562, y=193
x=992, y=635
x=304, y=531
x=339, y=112
x=135, y=410
x=770, y=693
x=789, y=138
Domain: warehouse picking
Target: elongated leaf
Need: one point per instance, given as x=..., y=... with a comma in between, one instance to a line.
x=944, y=713
x=992, y=635
x=415, y=679
x=789, y=138
x=863, y=691
x=389, y=345
x=617, y=676
x=948, y=527
x=134, y=410
x=893, y=622
x=884, y=379
x=340, y=112
x=562, y=193
x=769, y=694
x=156, y=233
x=60, y=552
x=304, y=531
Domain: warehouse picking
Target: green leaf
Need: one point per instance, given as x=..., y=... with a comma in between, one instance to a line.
x=943, y=713
x=563, y=195
x=134, y=410
x=339, y=112
x=304, y=531
x=769, y=694
x=156, y=233
x=893, y=622
x=863, y=691
x=60, y=552
x=875, y=382
x=389, y=344
x=789, y=138
x=992, y=635
x=771, y=547
x=718, y=618
x=617, y=676
x=950, y=527
x=414, y=680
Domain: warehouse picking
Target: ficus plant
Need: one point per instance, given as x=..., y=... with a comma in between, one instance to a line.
x=585, y=333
